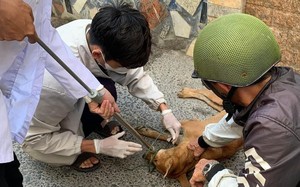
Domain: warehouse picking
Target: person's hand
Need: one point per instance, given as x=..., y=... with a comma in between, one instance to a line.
x=16, y=20
x=198, y=180
x=106, y=95
x=114, y=147
x=107, y=107
x=171, y=124
x=194, y=146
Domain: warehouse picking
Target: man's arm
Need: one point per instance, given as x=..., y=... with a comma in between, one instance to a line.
x=268, y=154
x=213, y=173
x=221, y=133
x=216, y=135
x=141, y=85
x=67, y=81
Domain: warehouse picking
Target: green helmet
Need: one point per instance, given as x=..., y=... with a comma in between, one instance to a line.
x=235, y=49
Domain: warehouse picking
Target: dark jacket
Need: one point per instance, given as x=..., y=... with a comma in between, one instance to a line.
x=272, y=132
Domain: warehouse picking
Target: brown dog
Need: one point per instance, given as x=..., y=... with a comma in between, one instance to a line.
x=177, y=161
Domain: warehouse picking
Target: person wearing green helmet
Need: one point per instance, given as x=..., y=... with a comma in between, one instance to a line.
x=235, y=56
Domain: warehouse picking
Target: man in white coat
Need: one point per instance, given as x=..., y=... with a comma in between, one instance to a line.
x=114, y=46
x=21, y=74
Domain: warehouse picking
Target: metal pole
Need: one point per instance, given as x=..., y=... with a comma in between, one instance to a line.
x=132, y=130
x=116, y=115
x=51, y=53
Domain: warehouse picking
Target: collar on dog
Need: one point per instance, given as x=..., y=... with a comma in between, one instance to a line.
x=151, y=164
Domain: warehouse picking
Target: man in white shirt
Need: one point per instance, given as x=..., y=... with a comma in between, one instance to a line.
x=21, y=74
x=113, y=46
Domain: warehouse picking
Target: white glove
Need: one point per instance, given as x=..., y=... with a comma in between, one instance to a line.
x=171, y=124
x=114, y=147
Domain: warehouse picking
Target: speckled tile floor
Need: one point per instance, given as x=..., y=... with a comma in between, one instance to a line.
x=171, y=71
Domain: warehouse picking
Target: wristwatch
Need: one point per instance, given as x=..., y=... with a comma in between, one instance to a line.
x=211, y=169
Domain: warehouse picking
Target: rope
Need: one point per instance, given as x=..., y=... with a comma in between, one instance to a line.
x=153, y=153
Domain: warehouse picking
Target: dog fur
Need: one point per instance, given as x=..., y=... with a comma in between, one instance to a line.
x=177, y=161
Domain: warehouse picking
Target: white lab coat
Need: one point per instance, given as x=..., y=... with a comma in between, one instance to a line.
x=21, y=74
x=55, y=134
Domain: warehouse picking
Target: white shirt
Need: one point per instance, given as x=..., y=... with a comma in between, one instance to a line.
x=21, y=75
x=67, y=110
x=138, y=82
x=63, y=113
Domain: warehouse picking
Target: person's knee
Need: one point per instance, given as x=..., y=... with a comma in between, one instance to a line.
x=51, y=159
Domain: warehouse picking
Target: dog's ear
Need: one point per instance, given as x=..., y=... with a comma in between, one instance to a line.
x=168, y=165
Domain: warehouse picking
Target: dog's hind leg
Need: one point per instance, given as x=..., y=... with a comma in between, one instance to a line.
x=204, y=95
x=151, y=133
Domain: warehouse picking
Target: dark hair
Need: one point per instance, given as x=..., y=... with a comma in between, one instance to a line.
x=123, y=34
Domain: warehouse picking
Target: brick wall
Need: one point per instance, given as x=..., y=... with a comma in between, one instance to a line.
x=284, y=19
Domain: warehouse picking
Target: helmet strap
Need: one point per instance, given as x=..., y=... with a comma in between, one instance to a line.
x=228, y=106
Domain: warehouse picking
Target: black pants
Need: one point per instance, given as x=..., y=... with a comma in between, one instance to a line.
x=10, y=175
x=88, y=119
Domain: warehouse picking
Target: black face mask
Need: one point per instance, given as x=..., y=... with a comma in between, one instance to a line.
x=228, y=106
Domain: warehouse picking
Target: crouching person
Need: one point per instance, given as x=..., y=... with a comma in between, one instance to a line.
x=235, y=57
x=114, y=46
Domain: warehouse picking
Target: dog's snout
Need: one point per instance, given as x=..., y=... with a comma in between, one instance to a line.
x=149, y=155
